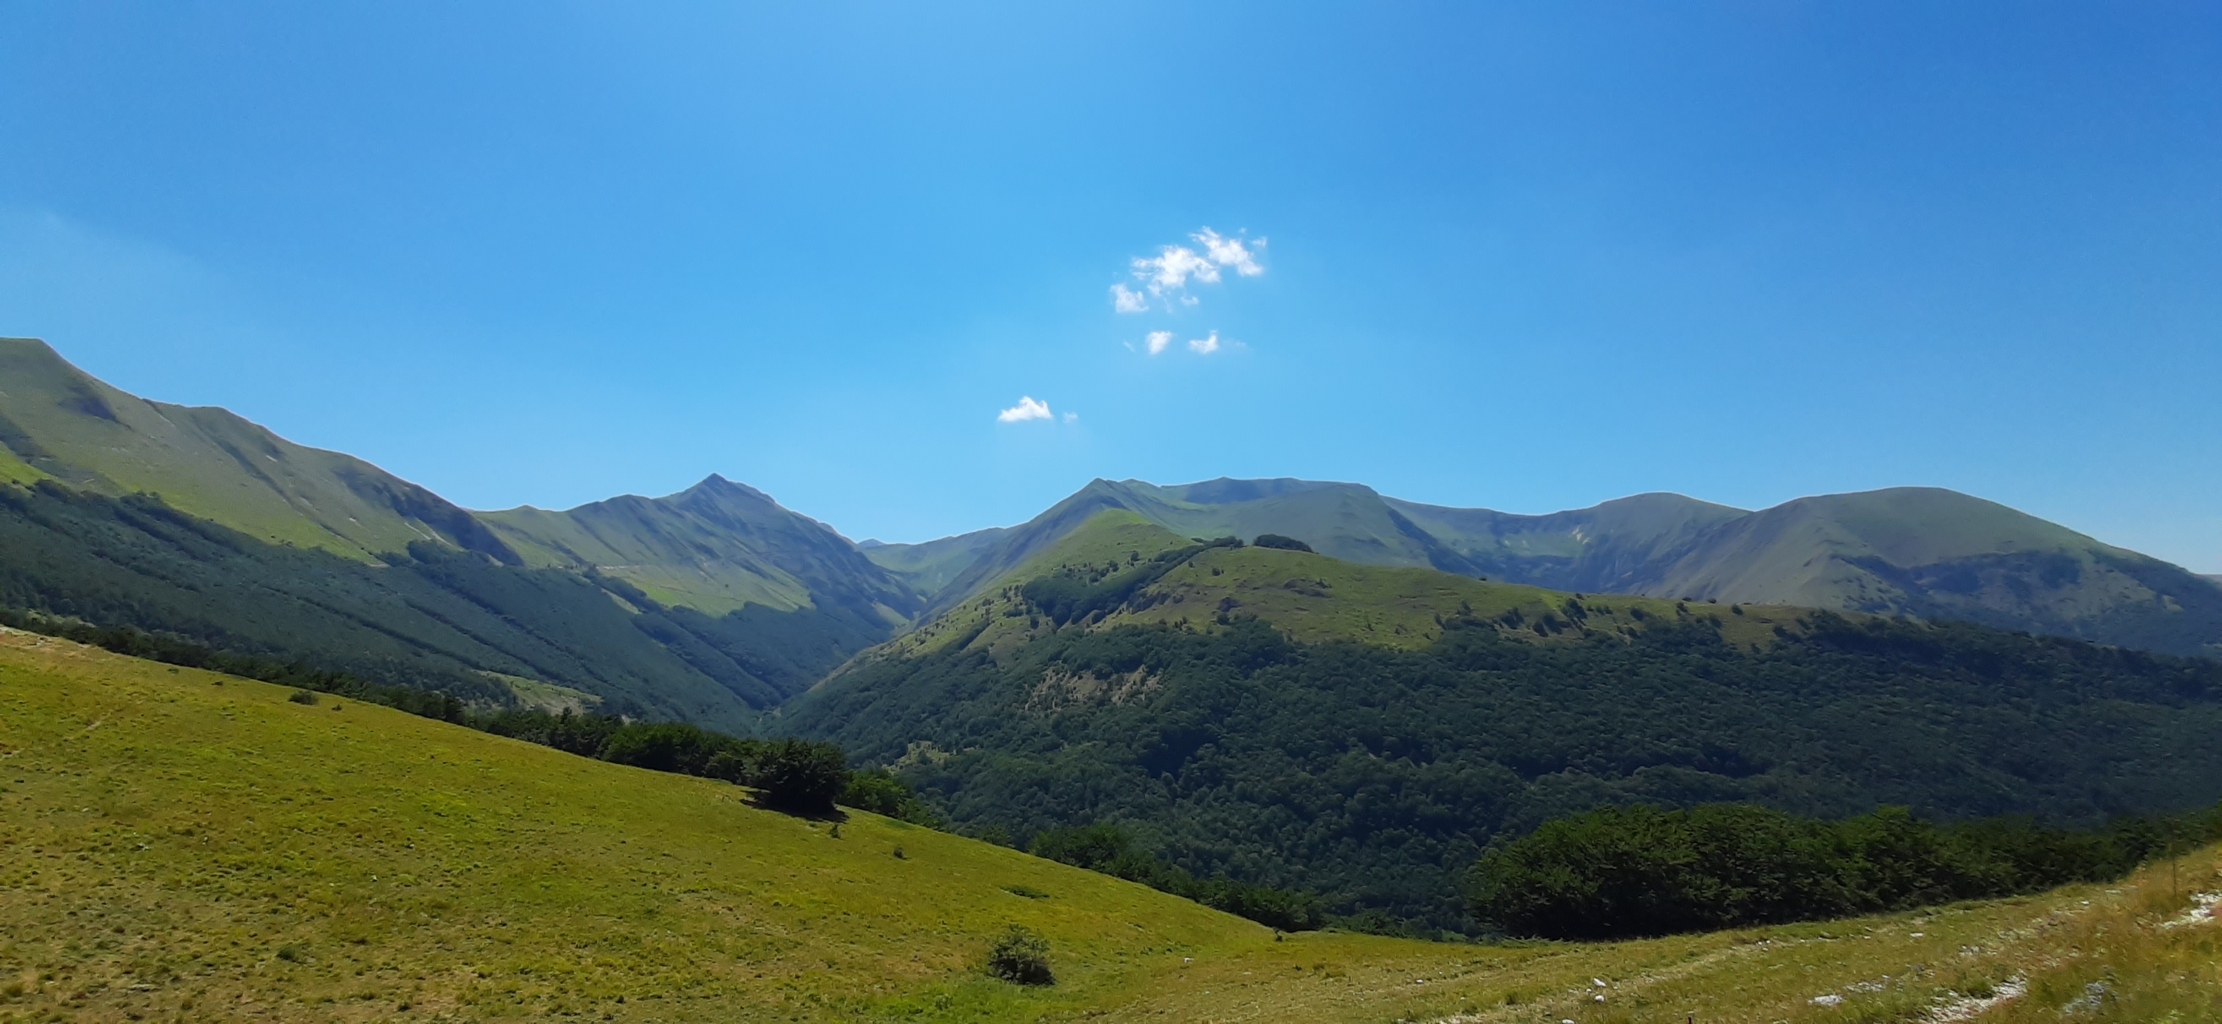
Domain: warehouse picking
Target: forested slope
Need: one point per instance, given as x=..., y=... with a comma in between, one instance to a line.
x=435, y=617
x=1420, y=715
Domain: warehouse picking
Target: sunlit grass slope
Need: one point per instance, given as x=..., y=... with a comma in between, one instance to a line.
x=183, y=844
x=176, y=845
x=61, y=423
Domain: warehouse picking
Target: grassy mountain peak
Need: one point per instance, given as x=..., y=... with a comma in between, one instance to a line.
x=717, y=547
x=58, y=422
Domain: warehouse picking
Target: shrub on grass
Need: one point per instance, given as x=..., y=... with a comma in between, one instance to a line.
x=1021, y=957
x=302, y=697
x=1275, y=540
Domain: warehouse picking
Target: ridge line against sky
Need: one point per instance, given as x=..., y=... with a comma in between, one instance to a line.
x=1516, y=258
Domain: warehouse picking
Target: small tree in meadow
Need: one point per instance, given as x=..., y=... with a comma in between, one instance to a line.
x=1021, y=956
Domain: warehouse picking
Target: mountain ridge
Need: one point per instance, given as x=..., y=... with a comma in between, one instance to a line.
x=61, y=423
x=1923, y=551
x=724, y=548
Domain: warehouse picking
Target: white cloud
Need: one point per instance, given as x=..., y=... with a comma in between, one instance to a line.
x=1168, y=274
x=1171, y=268
x=1072, y=417
x=1026, y=409
x=1158, y=340
x=1231, y=252
x=1204, y=346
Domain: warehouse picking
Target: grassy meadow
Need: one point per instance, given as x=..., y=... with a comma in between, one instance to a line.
x=178, y=845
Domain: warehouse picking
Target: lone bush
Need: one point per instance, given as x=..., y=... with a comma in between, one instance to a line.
x=1275, y=540
x=1021, y=956
x=302, y=696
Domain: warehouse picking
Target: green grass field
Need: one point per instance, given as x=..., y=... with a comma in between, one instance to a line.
x=176, y=845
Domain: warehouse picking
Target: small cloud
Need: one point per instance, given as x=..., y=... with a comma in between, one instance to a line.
x=1026, y=409
x=1072, y=417
x=1158, y=340
x=1231, y=252
x=1167, y=275
x=1204, y=346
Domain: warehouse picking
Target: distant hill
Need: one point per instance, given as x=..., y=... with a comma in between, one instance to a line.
x=715, y=547
x=1346, y=521
x=1306, y=722
x=709, y=605
x=929, y=567
x=57, y=422
x=1926, y=552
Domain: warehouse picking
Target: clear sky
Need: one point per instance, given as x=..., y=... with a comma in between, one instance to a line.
x=1526, y=256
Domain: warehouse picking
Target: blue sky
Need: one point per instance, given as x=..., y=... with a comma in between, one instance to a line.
x=1526, y=257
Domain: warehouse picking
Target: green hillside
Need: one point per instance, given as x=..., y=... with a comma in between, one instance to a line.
x=178, y=845
x=715, y=547
x=1940, y=554
x=431, y=616
x=929, y=567
x=57, y=422
x=1302, y=722
x=1344, y=520
x=1607, y=547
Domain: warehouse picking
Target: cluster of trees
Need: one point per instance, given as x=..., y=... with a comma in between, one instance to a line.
x=1111, y=850
x=1636, y=871
x=881, y=792
x=1275, y=540
x=1074, y=593
x=796, y=776
x=1375, y=777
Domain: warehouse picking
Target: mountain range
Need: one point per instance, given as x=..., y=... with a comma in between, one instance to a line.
x=723, y=549
x=1355, y=711
x=1921, y=551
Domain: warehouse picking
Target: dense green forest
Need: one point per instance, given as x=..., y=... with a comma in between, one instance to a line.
x=1375, y=777
x=1632, y=871
x=431, y=617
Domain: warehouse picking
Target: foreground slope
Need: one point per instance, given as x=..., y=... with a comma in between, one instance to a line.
x=58, y=422
x=178, y=845
x=1362, y=732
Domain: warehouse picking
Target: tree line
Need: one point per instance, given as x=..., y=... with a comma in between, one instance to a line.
x=1623, y=872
